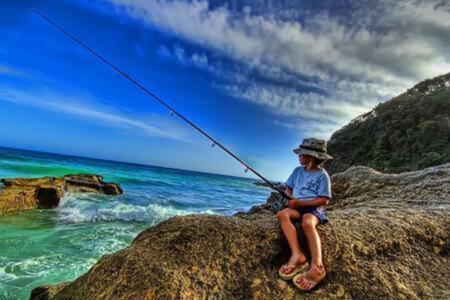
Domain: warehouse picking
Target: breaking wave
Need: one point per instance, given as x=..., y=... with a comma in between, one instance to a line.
x=91, y=208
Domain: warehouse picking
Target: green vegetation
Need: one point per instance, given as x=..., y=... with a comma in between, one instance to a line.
x=409, y=132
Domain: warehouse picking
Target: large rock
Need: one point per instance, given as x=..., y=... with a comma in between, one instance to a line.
x=366, y=188
x=46, y=192
x=388, y=238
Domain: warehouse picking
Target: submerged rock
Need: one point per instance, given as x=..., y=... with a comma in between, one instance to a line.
x=46, y=192
x=388, y=238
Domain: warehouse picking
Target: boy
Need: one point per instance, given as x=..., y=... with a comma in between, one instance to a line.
x=310, y=187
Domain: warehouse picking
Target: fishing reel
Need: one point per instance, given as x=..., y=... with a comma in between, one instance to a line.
x=279, y=204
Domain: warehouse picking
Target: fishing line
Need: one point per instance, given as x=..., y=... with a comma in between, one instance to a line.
x=157, y=98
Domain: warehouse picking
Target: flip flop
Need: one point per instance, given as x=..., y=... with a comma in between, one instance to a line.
x=312, y=283
x=296, y=270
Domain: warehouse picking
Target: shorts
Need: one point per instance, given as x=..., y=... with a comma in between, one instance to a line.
x=318, y=211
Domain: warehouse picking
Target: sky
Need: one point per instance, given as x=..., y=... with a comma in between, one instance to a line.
x=257, y=75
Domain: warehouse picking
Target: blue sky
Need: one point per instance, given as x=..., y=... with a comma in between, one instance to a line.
x=257, y=75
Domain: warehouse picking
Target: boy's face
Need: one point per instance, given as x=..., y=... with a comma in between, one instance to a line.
x=304, y=159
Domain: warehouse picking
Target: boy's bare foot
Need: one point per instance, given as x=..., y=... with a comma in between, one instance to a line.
x=314, y=275
x=295, y=260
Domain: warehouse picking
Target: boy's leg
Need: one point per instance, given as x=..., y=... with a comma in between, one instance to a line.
x=290, y=232
x=317, y=270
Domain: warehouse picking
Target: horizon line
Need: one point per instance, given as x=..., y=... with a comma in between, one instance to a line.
x=126, y=162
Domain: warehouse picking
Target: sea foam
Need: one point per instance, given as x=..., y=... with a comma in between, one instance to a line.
x=91, y=208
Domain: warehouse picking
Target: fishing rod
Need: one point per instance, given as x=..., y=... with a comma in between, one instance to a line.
x=160, y=100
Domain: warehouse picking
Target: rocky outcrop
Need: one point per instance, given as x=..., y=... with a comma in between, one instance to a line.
x=388, y=238
x=363, y=187
x=278, y=185
x=46, y=192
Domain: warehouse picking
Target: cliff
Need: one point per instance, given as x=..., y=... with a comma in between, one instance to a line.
x=388, y=238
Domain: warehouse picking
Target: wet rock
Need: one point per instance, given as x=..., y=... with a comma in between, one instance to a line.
x=388, y=239
x=46, y=192
x=111, y=189
x=48, y=197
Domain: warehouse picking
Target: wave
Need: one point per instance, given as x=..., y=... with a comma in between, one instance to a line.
x=6, y=275
x=75, y=209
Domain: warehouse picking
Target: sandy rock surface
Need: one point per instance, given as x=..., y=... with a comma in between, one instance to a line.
x=29, y=193
x=388, y=238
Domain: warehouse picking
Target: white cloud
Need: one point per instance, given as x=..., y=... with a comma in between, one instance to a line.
x=83, y=106
x=314, y=113
x=289, y=102
x=199, y=59
x=321, y=47
x=196, y=59
x=322, y=129
x=374, y=53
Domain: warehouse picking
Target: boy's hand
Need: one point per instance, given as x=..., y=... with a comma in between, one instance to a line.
x=293, y=203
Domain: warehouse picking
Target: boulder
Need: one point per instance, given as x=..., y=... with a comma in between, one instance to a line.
x=388, y=238
x=46, y=192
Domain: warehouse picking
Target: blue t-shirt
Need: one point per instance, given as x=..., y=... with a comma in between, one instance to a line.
x=309, y=185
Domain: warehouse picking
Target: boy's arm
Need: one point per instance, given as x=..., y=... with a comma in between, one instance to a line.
x=321, y=201
x=288, y=191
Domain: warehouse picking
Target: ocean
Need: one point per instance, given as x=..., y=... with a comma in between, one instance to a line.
x=42, y=247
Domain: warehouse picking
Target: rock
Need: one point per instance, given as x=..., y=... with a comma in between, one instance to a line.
x=382, y=242
x=368, y=189
x=46, y=192
x=278, y=185
x=111, y=189
x=48, y=197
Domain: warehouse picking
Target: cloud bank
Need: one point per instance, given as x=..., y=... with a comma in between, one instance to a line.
x=312, y=65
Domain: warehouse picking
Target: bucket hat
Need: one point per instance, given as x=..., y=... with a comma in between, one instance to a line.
x=314, y=147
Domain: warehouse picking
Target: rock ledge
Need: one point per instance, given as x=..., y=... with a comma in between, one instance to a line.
x=46, y=192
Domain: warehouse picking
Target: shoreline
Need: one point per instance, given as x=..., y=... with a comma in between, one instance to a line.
x=361, y=244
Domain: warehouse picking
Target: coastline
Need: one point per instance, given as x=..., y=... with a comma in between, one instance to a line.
x=61, y=244
x=386, y=229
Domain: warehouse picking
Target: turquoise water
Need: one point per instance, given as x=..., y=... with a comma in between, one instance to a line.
x=51, y=246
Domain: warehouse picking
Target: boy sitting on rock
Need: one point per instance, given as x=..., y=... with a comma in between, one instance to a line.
x=310, y=186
